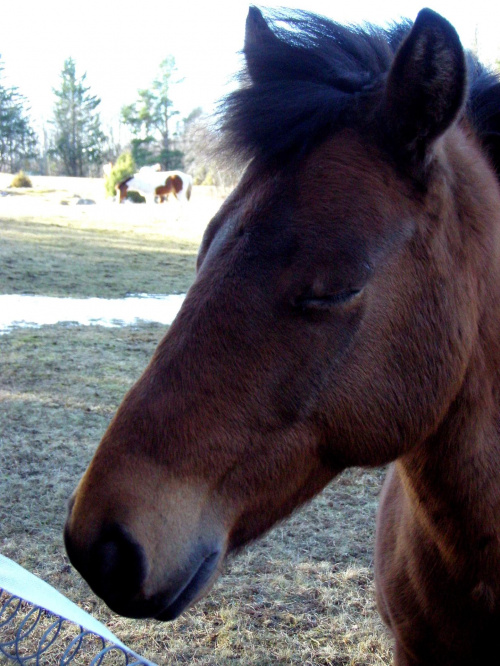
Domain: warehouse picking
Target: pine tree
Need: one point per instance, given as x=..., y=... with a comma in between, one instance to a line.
x=123, y=167
x=78, y=141
x=18, y=142
x=149, y=119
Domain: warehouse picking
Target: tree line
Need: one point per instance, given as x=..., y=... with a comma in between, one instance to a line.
x=74, y=142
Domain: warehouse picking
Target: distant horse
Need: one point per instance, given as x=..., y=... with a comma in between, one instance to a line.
x=174, y=184
x=346, y=311
x=153, y=184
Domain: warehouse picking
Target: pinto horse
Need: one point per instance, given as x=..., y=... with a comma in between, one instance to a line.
x=345, y=312
x=153, y=185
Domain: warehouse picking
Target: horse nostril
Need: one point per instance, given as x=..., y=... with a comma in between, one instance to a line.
x=115, y=566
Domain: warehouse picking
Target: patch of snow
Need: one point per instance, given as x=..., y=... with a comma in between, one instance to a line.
x=33, y=311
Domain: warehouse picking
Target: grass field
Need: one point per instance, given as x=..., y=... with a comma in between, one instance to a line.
x=301, y=595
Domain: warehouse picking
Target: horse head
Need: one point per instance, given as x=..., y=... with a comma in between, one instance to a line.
x=333, y=318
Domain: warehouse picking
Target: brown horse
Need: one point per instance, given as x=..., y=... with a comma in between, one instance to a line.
x=156, y=185
x=173, y=185
x=346, y=311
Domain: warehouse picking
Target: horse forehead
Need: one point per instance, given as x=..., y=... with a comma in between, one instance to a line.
x=343, y=168
x=344, y=187
x=349, y=180
x=259, y=199
x=349, y=163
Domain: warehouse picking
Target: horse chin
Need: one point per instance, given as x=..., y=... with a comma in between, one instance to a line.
x=196, y=587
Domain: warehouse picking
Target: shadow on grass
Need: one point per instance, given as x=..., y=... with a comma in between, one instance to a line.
x=52, y=260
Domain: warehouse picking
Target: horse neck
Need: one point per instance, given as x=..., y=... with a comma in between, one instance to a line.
x=451, y=484
x=453, y=476
x=467, y=443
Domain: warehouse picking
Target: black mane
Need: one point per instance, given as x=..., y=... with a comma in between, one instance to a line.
x=483, y=108
x=317, y=77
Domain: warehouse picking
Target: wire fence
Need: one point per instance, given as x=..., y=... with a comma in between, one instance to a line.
x=55, y=633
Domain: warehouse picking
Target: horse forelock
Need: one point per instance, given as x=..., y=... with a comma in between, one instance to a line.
x=318, y=77
x=306, y=83
x=484, y=107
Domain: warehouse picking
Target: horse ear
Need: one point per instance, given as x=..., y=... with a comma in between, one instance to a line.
x=258, y=38
x=426, y=84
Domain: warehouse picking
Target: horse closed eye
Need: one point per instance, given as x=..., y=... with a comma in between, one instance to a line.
x=326, y=301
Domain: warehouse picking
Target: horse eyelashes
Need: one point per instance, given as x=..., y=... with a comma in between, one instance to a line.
x=326, y=301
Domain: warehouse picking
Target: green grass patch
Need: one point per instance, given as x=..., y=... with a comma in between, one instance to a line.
x=107, y=250
x=48, y=258
x=54, y=260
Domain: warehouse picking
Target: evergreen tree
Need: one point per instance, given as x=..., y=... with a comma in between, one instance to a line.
x=123, y=168
x=18, y=142
x=149, y=119
x=78, y=141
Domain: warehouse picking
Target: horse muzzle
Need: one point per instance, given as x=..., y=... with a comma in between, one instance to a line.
x=117, y=569
x=148, y=550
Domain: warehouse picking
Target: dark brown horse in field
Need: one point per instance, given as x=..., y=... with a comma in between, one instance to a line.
x=346, y=311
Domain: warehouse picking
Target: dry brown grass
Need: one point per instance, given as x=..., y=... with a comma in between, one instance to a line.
x=301, y=595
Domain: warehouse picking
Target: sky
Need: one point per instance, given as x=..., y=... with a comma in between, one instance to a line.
x=120, y=44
